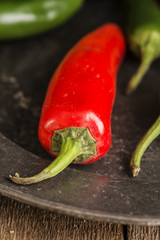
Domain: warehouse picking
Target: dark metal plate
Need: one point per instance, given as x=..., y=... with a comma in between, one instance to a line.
x=104, y=190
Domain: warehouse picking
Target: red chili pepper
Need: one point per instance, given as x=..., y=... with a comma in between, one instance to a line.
x=76, y=115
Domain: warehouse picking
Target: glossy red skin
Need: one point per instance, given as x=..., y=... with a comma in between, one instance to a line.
x=81, y=92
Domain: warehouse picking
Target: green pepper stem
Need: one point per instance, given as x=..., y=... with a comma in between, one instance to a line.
x=69, y=151
x=137, y=77
x=151, y=134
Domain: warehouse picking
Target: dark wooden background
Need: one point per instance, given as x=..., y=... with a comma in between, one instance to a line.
x=23, y=222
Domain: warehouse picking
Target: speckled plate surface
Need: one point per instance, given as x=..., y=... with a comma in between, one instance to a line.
x=104, y=190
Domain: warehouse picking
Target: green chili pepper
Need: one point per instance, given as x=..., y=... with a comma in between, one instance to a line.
x=142, y=24
x=29, y=17
x=148, y=138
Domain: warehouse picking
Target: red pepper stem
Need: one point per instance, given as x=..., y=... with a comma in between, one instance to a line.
x=70, y=149
x=150, y=135
x=71, y=144
x=137, y=77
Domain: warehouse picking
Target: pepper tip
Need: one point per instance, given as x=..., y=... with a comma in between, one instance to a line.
x=14, y=178
x=135, y=170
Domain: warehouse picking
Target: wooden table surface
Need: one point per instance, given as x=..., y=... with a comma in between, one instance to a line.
x=20, y=221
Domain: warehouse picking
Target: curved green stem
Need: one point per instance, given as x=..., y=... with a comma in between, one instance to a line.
x=137, y=77
x=145, y=44
x=69, y=151
x=70, y=144
x=147, y=139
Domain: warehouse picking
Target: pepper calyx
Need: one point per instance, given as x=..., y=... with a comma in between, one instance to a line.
x=82, y=136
